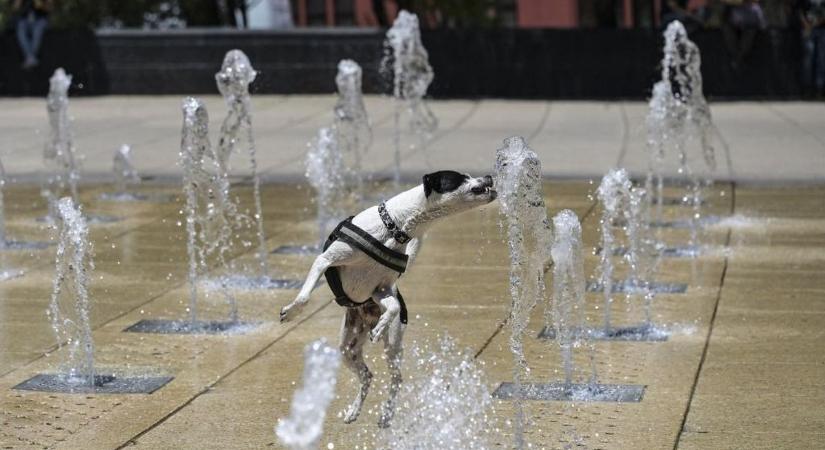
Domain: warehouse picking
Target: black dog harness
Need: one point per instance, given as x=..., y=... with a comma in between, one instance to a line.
x=396, y=261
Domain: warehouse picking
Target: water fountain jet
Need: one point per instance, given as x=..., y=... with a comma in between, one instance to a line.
x=352, y=126
x=125, y=174
x=211, y=223
x=627, y=206
x=678, y=114
x=524, y=219
x=325, y=173
x=612, y=193
x=569, y=326
x=69, y=312
x=333, y=160
x=233, y=81
x=304, y=427
x=408, y=62
x=59, y=154
x=445, y=404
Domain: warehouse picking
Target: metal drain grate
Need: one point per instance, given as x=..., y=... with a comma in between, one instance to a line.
x=305, y=250
x=681, y=252
x=685, y=223
x=244, y=283
x=161, y=326
x=639, y=333
x=678, y=201
x=680, y=223
x=621, y=393
x=668, y=252
x=94, y=219
x=24, y=245
x=104, y=384
x=629, y=287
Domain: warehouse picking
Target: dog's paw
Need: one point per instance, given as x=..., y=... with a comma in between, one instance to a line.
x=291, y=311
x=376, y=333
x=352, y=414
x=387, y=412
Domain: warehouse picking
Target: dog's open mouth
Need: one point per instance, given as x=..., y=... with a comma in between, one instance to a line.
x=485, y=191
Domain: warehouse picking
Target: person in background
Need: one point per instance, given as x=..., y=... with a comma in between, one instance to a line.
x=811, y=15
x=743, y=20
x=31, y=23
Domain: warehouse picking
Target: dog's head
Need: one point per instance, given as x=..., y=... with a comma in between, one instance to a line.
x=451, y=192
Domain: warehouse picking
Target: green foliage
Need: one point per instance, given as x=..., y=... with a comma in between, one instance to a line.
x=5, y=14
x=77, y=13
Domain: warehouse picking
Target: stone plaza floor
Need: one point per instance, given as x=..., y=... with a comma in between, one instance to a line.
x=743, y=366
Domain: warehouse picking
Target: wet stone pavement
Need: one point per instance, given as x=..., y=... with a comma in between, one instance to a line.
x=750, y=320
x=742, y=365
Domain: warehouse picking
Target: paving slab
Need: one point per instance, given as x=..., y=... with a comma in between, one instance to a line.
x=749, y=322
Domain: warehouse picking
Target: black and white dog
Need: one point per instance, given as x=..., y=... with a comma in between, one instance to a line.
x=363, y=259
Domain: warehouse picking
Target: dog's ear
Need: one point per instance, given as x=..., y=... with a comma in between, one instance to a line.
x=428, y=186
x=443, y=181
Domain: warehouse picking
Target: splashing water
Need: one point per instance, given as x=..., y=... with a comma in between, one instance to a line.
x=683, y=62
x=303, y=428
x=125, y=172
x=59, y=153
x=662, y=120
x=518, y=181
x=69, y=306
x=613, y=193
x=209, y=210
x=643, y=251
x=412, y=75
x=325, y=172
x=620, y=201
x=352, y=125
x=678, y=114
x=568, y=291
x=51, y=205
x=444, y=405
x=233, y=82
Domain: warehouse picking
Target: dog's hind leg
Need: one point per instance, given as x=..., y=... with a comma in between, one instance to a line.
x=393, y=351
x=353, y=337
x=390, y=310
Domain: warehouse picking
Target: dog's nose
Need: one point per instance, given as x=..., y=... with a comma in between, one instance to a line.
x=488, y=181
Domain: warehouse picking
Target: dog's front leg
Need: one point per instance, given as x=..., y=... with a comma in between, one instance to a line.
x=319, y=266
x=412, y=249
x=390, y=309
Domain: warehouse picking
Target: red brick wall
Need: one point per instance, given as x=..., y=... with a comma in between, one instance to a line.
x=548, y=13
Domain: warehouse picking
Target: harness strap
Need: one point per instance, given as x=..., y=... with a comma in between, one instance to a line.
x=364, y=241
x=334, y=277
